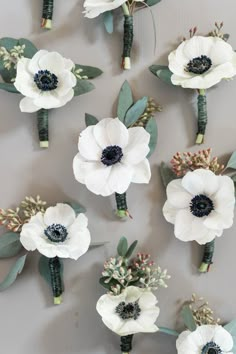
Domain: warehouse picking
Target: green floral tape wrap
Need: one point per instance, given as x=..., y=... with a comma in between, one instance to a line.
x=202, y=118
x=47, y=14
x=126, y=343
x=42, y=117
x=55, y=266
x=121, y=204
x=207, y=257
x=128, y=40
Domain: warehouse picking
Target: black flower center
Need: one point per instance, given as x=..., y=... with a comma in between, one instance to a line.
x=211, y=348
x=111, y=155
x=45, y=80
x=201, y=206
x=56, y=233
x=128, y=311
x=199, y=65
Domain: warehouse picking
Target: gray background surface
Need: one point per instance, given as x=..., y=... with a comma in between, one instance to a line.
x=28, y=321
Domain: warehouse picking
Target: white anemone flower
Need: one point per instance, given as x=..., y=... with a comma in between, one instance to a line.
x=46, y=81
x=206, y=339
x=200, y=205
x=111, y=157
x=202, y=62
x=133, y=311
x=57, y=233
x=94, y=8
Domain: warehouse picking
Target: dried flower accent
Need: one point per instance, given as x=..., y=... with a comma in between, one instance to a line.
x=11, y=57
x=217, y=32
x=188, y=161
x=151, y=108
x=202, y=313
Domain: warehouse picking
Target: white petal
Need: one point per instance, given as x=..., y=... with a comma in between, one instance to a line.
x=79, y=240
x=169, y=212
x=198, y=46
x=66, y=80
x=221, y=52
x=137, y=148
x=68, y=64
x=34, y=62
x=66, y=98
x=141, y=172
x=97, y=181
x=24, y=82
x=223, y=339
x=117, y=133
x=203, y=335
x=88, y=146
x=217, y=220
x=27, y=105
x=82, y=168
x=177, y=195
x=95, y=9
x=147, y=300
x=31, y=231
x=177, y=64
x=120, y=178
x=181, y=342
x=132, y=294
x=53, y=62
x=193, y=183
x=60, y=214
x=148, y=318
x=47, y=100
x=100, y=133
x=224, y=198
x=130, y=327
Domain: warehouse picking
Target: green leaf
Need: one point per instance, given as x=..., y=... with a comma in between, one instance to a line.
x=152, y=2
x=232, y=161
x=135, y=112
x=8, y=43
x=167, y=175
x=122, y=247
x=83, y=86
x=14, y=271
x=45, y=271
x=188, y=318
x=151, y=128
x=163, y=72
x=90, y=71
x=8, y=87
x=108, y=21
x=30, y=49
x=169, y=331
x=10, y=244
x=90, y=120
x=131, y=249
x=77, y=207
x=97, y=244
x=125, y=101
x=231, y=328
x=111, y=283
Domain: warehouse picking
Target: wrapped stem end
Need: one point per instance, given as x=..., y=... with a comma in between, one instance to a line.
x=202, y=117
x=56, y=281
x=207, y=257
x=46, y=21
x=128, y=41
x=42, y=117
x=126, y=344
x=122, y=208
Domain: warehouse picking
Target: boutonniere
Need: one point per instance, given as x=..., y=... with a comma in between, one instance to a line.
x=94, y=8
x=113, y=152
x=204, y=334
x=199, y=63
x=46, y=21
x=55, y=232
x=46, y=79
x=200, y=199
x=130, y=307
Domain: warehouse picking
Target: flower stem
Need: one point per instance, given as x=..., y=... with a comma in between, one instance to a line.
x=121, y=203
x=207, y=257
x=46, y=21
x=126, y=344
x=56, y=282
x=128, y=37
x=202, y=116
x=42, y=116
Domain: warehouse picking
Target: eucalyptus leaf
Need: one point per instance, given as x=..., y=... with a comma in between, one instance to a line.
x=108, y=21
x=169, y=331
x=232, y=161
x=90, y=71
x=30, y=49
x=131, y=249
x=135, y=112
x=77, y=207
x=8, y=87
x=125, y=101
x=122, y=247
x=45, y=271
x=151, y=128
x=152, y=2
x=10, y=244
x=231, y=328
x=15, y=270
x=188, y=318
x=167, y=175
x=90, y=120
x=97, y=244
x=163, y=72
x=83, y=86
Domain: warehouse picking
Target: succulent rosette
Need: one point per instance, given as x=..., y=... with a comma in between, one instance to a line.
x=130, y=307
x=57, y=233
x=46, y=79
x=106, y=8
x=200, y=200
x=113, y=151
x=200, y=63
